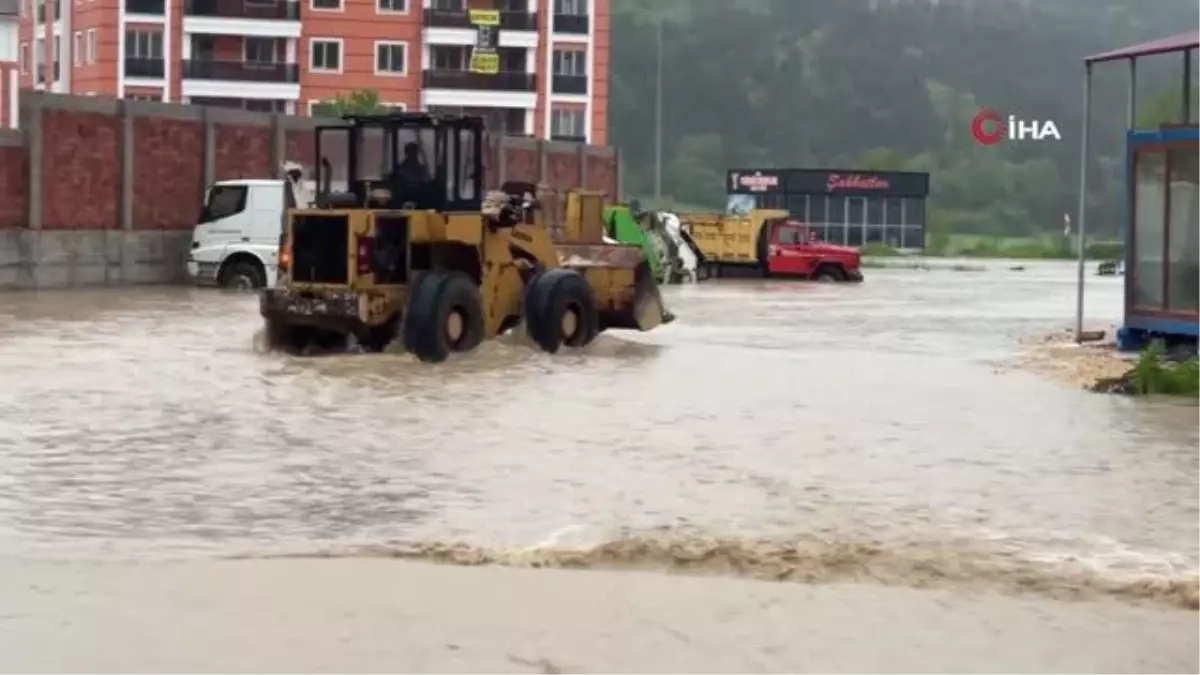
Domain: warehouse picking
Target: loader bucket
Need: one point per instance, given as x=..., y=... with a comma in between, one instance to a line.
x=626, y=292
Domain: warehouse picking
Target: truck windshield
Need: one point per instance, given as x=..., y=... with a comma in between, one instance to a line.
x=788, y=234
x=223, y=201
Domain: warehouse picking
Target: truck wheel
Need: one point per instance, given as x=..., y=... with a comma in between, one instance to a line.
x=560, y=310
x=829, y=274
x=444, y=314
x=242, y=276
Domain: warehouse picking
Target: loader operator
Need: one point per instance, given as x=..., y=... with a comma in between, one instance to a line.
x=411, y=170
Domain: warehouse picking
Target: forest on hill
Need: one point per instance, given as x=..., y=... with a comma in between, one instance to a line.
x=890, y=84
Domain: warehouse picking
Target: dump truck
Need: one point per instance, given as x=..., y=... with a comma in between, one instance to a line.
x=766, y=243
x=415, y=252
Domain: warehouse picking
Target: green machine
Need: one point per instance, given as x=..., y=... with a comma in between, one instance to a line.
x=621, y=224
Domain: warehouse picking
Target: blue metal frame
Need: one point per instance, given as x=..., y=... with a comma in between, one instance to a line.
x=1142, y=322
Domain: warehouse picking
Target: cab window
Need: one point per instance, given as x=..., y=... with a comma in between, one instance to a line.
x=787, y=235
x=223, y=201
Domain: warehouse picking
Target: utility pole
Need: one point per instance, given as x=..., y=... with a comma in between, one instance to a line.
x=658, y=111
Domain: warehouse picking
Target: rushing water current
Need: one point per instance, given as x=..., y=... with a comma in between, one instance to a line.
x=792, y=431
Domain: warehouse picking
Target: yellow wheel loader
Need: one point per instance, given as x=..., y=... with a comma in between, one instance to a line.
x=403, y=244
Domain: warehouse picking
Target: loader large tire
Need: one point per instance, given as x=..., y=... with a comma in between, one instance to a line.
x=560, y=310
x=444, y=315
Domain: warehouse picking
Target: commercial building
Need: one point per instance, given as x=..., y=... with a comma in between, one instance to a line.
x=289, y=56
x=842, y=206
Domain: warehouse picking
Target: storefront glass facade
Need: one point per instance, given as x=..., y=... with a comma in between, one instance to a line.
x=843, y=207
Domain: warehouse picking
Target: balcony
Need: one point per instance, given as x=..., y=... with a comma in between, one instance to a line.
x=442, y=18
x=280, y=10
x=464, y=79
x=153, y=7
x=576, y=24
x=140, y=67
x=240, y=71
x=570, y=84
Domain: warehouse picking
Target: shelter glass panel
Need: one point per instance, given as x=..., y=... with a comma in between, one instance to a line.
x=1183, y=228
x=1148, y=220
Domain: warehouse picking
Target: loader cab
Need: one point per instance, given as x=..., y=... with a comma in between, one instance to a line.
x=401, y=161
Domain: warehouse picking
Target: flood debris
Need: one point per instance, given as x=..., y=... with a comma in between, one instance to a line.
x=1078, y=364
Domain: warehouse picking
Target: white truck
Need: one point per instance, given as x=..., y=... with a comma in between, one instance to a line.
x=236, y=243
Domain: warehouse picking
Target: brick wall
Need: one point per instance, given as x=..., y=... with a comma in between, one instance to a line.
x=84, y=163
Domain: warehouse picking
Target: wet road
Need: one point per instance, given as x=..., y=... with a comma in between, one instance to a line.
x=800, y=431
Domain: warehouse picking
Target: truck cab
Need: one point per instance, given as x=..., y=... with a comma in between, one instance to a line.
x=794, y=250
x=235, y=244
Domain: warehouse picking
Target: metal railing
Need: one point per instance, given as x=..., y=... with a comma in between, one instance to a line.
x=155, y=7
x=245, y=71
x=465, y=79
x=571, y=23
x=278, y=10
x=144, y=67
x=445, y=18
x=570, y=84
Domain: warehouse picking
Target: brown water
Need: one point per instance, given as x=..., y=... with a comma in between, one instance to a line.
x=789, y=431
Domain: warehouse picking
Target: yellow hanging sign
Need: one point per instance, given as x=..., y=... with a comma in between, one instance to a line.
x=485, y=58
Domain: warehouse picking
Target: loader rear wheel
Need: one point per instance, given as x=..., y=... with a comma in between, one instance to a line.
x=560, y=310
x=444, y=315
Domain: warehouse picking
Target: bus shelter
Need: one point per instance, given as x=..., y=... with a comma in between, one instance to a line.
x=1162, y=222
x=841, y=206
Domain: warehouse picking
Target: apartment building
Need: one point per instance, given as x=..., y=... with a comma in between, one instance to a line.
x=9, y=67
x=291, y=55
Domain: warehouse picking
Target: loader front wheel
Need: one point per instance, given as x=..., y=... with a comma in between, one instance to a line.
x=560, y=310
x=444, y=315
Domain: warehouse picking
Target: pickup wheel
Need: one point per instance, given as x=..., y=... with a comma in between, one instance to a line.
x=444, y=315
x=242, y=275
x=827, y=274
x=560, y=310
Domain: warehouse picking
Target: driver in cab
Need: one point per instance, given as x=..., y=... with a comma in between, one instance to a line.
x=411, y=169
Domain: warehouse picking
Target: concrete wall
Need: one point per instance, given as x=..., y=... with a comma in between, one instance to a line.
x=98, y=191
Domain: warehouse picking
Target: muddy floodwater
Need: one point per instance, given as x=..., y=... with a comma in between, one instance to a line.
x=874, y=435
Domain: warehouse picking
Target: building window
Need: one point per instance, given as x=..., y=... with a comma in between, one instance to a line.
x=1183, y=232
x=448, y=57
x=326, y=55
x=39, y=60
x=391, y=6
x=77, y=48
x=57, y=53
x=566, y=123
x=327, y=5
x=1150, y=170
x=23, y=57
x=570, y=7
x=91, y=45
x=140, y=44
x=260, y=50
x=570, y=62
x=391, y=58
x=448, y=5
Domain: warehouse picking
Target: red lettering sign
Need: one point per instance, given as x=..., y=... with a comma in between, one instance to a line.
x=855, y=181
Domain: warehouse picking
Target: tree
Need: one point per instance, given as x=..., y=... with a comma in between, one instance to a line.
x=1165, y=109
x=359, y=101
